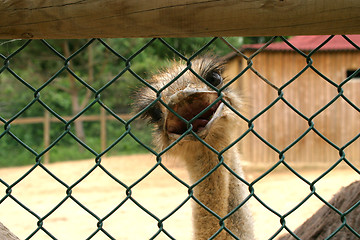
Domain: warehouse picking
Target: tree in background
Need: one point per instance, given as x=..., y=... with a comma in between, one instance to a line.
x=96, y=65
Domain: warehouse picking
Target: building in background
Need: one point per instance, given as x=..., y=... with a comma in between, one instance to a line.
x=303, y=100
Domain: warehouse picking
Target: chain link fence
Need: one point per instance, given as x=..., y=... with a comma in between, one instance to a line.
x=126, y=66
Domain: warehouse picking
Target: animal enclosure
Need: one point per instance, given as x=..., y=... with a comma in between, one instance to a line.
x=284, y=122
x=340, y=159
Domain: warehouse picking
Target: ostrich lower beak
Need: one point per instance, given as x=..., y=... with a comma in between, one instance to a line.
x=188, y=105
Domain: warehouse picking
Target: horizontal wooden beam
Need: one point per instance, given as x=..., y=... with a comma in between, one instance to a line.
x=176, y=18
x=89, y=118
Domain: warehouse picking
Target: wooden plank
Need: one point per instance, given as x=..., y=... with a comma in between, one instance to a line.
x=46, y=135
x=90, y=118
x=176, y=18
x=28, y=120
x=103, y=129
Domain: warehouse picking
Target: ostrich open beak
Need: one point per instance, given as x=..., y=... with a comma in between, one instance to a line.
x=188, y=104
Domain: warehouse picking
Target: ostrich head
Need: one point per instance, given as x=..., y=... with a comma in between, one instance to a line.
x=202, y=112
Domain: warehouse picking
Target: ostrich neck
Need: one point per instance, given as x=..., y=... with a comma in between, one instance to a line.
x=220, y=191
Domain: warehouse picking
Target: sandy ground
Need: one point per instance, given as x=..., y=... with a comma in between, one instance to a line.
x=158, y=192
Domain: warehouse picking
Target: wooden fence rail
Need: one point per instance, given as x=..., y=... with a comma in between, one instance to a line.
x=46, y=120
x=176, y=18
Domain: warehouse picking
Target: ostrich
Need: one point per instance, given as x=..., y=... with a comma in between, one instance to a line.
x=218, y=126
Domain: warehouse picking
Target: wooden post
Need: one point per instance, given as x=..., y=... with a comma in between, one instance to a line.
x=176, y=18
x=103, y=128
x=47, y=121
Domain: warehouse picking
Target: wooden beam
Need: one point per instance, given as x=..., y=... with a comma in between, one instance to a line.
x=176, y=18
x=103, y=129
x=47, y=130
x=89, y=118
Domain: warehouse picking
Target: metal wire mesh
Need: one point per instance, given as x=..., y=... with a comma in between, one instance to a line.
x=8, y=130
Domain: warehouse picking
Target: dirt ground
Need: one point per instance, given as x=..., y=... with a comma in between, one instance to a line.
x=158, y=192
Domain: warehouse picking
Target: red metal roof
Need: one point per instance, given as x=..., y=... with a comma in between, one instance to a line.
x=308, y=43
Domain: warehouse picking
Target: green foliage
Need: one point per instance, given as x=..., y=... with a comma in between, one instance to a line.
x=71, y=85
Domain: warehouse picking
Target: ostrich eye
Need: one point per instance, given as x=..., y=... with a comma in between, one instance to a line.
x=214, y=79
x=154, y=113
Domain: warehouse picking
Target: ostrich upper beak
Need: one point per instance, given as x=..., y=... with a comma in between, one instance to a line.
x=189, y=104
